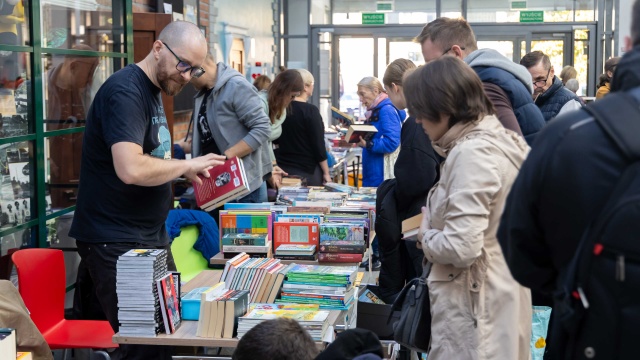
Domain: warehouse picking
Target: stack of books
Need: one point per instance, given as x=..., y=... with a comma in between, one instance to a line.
x=262, y=277
x=253, y=244
x=297, y=252
x=313, y=320
x=138, y=301
x=287, y=195
x=331, y=287
x=219, y=312
x=342, y=242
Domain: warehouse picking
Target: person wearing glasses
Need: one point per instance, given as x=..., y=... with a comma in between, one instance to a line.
x=124, y=194
x=549, y=92
x=507, y=84
x=229, y=120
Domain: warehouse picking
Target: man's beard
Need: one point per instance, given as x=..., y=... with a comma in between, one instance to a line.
x=169, y=85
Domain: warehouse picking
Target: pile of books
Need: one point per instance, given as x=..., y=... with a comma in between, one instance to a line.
x=246, y=231
x=312, y=319
x=331, y=287
x=138, y=301
x=262, y=277
x=220, y=309
x=253, y=244
x=297, y=252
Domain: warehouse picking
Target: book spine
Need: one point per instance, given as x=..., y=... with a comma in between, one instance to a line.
x=297, y=257
x=243, y=241
x=246, y=248
x=339, y=257
x=342, y=249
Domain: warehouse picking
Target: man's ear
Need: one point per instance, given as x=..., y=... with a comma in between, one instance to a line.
x=458, y=51
x=157, y=46
x=552, y=72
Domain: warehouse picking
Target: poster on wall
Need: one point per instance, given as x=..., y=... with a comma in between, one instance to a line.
x=191, y=11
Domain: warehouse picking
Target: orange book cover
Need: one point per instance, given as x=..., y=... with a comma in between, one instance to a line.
x=295, y=233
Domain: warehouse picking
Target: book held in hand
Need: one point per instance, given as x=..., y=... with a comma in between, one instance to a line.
x=343, y=117
x=411, y=227
x=360, y=130
x=226, y=182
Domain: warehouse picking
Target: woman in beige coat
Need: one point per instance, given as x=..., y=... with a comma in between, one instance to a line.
x=478, y=310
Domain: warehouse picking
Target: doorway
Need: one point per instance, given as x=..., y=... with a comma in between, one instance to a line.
x=342, y=55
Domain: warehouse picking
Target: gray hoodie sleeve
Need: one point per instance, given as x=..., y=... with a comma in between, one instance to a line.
x=250, y=113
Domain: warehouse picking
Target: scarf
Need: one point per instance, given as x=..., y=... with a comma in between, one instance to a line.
x=377, y=101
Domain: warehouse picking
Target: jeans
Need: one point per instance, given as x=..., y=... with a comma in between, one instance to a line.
x=100, y=261
x=256, y=196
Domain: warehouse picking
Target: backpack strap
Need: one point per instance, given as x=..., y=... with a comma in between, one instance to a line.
x=619, y=116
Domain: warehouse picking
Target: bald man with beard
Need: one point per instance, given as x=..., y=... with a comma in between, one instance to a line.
x=124, y=194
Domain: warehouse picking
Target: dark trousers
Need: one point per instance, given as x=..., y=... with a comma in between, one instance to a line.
x=100, y=261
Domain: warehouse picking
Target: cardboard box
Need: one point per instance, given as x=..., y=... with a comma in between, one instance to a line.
x=374, y=316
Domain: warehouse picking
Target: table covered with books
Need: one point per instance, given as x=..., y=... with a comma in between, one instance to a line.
x=185, y=334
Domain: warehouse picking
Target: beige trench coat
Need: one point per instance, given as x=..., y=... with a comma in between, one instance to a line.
x=478, y=310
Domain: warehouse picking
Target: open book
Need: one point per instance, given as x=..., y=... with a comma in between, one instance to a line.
x=356, y=131
x=343, y=117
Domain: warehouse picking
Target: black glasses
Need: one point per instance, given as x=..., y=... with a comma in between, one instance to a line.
x=183, y=67
x=449, y=49
x=541, y=83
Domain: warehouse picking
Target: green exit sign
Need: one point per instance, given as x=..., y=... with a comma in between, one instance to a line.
x=384, y=6
x=515, y=5
x=531, y=16
x=372, y=19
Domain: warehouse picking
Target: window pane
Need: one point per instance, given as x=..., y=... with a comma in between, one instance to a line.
x=14, y=23
x=17, y=186
x=63, y=169
x=87, y=24
x=15, y=82
x=70, y=83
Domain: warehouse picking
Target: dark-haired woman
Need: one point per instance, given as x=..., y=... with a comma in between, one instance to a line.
x=276, y=99
x=478, y=310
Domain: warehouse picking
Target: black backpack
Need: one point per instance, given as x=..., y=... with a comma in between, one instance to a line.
x=597, y=307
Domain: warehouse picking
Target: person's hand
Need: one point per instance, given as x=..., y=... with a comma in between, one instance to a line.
x=201, y=165
x=276, y=176
x=326, y=178
x=362, y=143
x=425, y=224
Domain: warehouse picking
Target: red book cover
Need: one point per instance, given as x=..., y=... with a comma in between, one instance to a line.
x=226, y=182
x=336, y=257
x=295, y=233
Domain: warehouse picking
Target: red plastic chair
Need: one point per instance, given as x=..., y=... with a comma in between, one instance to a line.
x=41, y=282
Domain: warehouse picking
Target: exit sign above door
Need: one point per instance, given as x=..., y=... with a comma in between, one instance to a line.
x=372, y=19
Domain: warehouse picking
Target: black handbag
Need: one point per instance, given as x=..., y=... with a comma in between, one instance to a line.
x=413, y=330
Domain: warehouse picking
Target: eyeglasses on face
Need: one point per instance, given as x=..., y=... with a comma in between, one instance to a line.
x=541, y=83
x=183, y=67
x=449, y=49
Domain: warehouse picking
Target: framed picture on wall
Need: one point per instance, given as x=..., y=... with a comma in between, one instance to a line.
x=191, y=11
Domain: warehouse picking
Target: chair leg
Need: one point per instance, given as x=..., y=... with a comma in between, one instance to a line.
x=100, y=355
x=65, y=352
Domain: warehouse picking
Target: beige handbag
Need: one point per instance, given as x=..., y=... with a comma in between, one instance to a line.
x=389, y=163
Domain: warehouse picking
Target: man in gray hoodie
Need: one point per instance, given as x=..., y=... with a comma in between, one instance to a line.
x=507, y=84
x=230, y=120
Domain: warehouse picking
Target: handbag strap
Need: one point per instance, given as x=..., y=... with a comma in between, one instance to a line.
x=426, y=270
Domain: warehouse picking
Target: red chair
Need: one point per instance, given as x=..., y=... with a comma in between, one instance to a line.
x=41, y=282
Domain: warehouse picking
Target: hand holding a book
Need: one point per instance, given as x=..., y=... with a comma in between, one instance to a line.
x=201, y=165
x=362, y=143
x=424, y=225
x=276, y=177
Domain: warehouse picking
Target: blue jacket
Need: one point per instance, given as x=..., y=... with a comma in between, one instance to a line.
x=493, y=67
x=551, y=101
x=388, y=120
x=208, y=242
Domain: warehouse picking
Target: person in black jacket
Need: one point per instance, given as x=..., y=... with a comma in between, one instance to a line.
x=300, y=149
x=416, y=170
x=564, y=183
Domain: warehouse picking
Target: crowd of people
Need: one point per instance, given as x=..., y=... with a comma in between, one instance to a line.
x=503, y=161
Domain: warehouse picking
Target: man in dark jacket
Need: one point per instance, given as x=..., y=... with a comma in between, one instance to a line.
x=549, y=93
x=508, y=85
x=562, y=186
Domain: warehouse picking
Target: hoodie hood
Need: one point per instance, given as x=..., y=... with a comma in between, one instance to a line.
x=492, y=58
x=225, y=73
x=627, y=74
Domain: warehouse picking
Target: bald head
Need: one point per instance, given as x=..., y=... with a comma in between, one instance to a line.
x=178, y=33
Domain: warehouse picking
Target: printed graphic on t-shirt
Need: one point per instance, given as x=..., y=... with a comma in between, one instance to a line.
x=163, y=136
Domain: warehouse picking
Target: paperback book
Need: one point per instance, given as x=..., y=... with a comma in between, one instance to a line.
x=226, y=182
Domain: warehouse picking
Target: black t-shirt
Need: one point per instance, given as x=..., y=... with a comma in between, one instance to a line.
x=127, y=108
x=302, y=141
x=209, y=145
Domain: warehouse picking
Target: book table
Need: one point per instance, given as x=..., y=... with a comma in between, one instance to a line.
x=186, y=333
x=219, y=259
